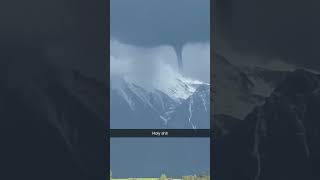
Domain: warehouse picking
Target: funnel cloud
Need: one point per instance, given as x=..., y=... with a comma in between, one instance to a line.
x=150, y=23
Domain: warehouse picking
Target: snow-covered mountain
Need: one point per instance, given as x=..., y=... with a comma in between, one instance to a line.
x=136, y=106
x=233, y=90
x=239, y=89
x=264, y=80
x=194, y=112
x=176, y=102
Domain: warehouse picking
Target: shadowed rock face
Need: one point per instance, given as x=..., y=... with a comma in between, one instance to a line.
x=278, y=140
x=50, y=131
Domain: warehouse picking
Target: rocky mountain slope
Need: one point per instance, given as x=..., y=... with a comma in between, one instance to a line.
x=279, y=139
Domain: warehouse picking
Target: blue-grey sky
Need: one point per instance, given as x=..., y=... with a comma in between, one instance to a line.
x=183, y=25
x=155, y=22
x=150, y=157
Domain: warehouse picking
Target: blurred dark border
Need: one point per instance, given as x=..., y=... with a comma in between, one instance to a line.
x=54, y=71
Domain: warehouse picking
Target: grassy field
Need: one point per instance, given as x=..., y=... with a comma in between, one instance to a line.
x=185, y=178
x=138, y=179
x=163, y=177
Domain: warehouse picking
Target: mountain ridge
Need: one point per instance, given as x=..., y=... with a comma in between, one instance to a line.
x=274, y=134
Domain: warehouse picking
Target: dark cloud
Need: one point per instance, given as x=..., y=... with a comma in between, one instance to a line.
x=165, y=22
x=288, y=29
x=154, y=22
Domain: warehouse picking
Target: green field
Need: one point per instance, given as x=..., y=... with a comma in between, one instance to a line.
x=164, y=177
x=186, y=178
x=139, y=179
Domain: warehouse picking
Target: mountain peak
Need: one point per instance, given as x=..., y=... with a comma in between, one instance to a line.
x=299, y=82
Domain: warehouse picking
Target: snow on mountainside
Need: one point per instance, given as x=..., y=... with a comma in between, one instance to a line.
x=165, y=79
x=155, y=99
x=151, y=104
x=238, y=90
x=147, y=85
x=194, y=112
x=178, y=89
x=151, y=107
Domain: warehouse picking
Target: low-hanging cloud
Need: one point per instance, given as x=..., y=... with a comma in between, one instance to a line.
x=141, y=65
x=147, y=66
x=196, y=59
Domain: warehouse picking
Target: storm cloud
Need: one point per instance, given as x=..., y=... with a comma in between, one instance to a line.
x=154, y=22
x=145, y=66
x=167, y=22
x=285, y=29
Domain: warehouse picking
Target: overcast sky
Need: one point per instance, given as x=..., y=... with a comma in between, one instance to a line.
x=269, y=30
x=154, y=22
x=273, y=29
x=150, y=157
x=146, y=32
